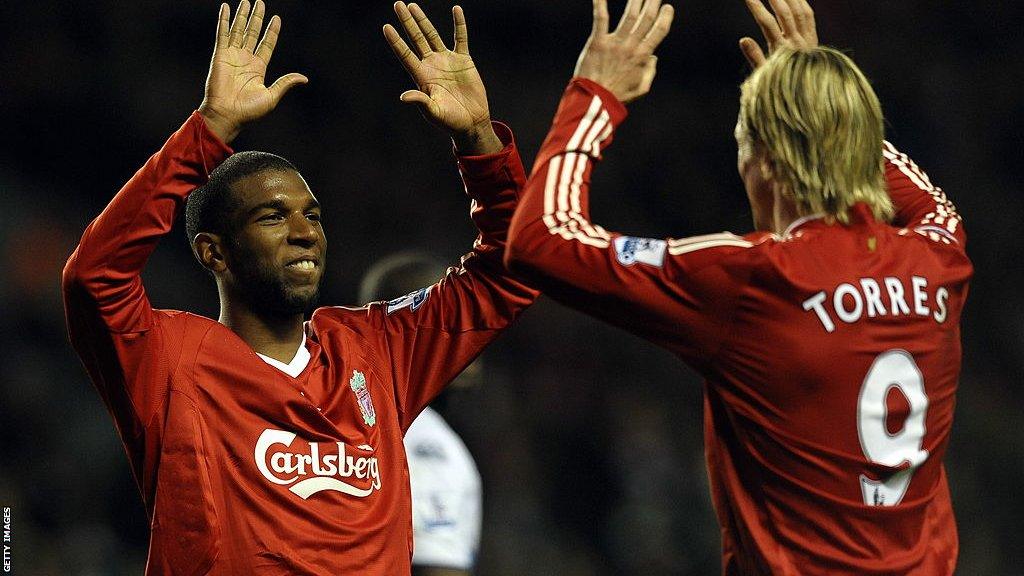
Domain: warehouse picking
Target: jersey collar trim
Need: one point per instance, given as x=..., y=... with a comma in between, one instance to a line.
x=298, y=363
x=800, y=222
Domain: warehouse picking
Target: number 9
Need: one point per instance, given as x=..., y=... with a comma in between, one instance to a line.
x=893, y=369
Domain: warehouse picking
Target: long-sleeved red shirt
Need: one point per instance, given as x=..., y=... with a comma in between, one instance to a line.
x=242, y=468
x=831, y=354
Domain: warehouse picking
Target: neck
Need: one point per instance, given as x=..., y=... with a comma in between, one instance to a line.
x=784, y=212
x=276, y=336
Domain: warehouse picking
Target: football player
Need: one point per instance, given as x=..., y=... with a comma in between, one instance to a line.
x=829, y=338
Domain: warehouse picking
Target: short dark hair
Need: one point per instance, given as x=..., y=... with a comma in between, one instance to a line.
x=210, y=207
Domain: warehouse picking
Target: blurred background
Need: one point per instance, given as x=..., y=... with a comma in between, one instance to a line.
x=588, y=440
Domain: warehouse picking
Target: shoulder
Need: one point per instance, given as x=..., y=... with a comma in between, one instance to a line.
x=942, y=251
x=177, y=320
x=932, y=238
x=724, y=251
x=355, y=318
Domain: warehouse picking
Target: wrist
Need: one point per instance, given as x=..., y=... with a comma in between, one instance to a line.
x=479, y=140
x=225, y=129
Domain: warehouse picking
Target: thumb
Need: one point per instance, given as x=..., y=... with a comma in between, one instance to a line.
x=650, y=71
x=752, y=51
x=415, y=97
x=284, y=84
x=427, y=106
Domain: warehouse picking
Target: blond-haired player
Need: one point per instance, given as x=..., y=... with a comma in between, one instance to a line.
x=829, y=338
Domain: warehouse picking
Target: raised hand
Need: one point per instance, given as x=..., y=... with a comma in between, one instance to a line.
x=235, y=89
x=623, y=61
x=450, y=91
x=791, y=25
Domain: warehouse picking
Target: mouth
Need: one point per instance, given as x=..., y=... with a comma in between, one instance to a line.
x=302, y=265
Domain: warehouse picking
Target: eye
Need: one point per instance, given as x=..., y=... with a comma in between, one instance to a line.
x=271, y=218
x=313, y=216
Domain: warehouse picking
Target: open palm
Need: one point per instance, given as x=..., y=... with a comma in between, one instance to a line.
x=235, y=89
x=450, y=90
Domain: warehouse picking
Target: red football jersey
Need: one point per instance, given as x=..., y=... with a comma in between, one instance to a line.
x=831, y=354
x=242, y=468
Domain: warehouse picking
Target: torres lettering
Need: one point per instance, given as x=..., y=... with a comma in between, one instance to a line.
x=851, y=302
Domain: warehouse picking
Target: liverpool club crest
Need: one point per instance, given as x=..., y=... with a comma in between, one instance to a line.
x=358, y=385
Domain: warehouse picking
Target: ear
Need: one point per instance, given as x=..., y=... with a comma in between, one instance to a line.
x=208, y=249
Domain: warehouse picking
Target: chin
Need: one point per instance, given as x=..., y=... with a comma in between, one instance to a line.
x=301, y=300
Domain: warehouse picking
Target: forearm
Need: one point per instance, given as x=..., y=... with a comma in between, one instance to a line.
x=457, y=317
x=919, y=204
x=553, y=243
x=115, y=247
x=494, y=181
x=553, y=217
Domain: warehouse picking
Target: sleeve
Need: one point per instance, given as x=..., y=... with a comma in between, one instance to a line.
x=679, y=294
x=120, y=339
x=920, y=205
x=436, y=332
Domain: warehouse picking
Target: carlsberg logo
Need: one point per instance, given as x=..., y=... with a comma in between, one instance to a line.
x=315, y=467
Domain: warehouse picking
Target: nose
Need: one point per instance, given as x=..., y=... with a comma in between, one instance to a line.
x=302, y=231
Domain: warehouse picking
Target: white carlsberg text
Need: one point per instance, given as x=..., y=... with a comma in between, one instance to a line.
x=312, y=467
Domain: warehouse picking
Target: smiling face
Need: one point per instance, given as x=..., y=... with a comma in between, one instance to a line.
x=274, y=259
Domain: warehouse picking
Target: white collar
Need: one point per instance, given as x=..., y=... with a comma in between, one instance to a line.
x=298, y=363
x=800, y=222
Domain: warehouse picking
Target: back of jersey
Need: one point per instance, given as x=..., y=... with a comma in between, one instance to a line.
x=831, y=353
x=829, y=407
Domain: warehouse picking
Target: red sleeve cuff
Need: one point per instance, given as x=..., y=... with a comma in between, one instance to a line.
x=616, y=109
x=485, y=165
x=212, y=149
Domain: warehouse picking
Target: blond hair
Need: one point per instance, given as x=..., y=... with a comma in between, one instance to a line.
x=821, y=124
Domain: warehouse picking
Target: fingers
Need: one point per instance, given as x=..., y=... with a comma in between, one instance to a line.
x=784, y=16
x=401, y=50
x=238, y=26
x=600, y=17
x=285, y=83
x=461, y=31
x=252, y=29
x=433, y=38
x=412, y=29
x=660, y=29
x=647, y=17
x=266, y=47
x=765, y=21
x=223, y=27
x=804, y=16
x=629, y=17
x=752, y=51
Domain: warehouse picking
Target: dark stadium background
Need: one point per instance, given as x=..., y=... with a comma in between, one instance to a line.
x=589, y=440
